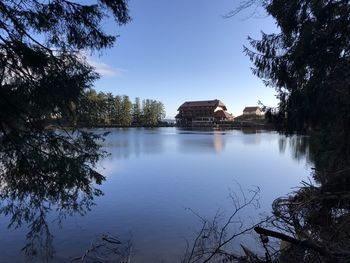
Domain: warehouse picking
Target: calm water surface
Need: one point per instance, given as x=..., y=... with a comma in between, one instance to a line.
x=154, y=177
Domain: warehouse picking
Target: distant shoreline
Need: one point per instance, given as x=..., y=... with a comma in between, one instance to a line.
x=233, y=125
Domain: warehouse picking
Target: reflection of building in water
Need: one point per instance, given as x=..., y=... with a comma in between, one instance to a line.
x=218, y=142
x=253, y=138
x=213, y=142
x=248, y=130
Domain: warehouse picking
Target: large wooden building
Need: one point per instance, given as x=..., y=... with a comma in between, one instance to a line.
x=202, y=113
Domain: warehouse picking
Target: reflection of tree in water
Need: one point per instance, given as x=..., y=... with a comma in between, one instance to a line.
x=311, y=225
x=319, y=213
x=42, y=174
x=298, y=146
x=125, y=143
x=202, y=142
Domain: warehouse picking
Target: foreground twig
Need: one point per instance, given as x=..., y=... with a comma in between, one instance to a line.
x=302, y=243
x=106, y=248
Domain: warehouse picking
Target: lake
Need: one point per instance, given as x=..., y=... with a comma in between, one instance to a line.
x=160, y=181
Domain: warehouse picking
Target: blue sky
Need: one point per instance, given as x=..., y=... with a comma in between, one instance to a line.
x=176, y=51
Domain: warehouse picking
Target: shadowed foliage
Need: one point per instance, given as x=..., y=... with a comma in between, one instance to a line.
x=43, y=73
x=307, y=63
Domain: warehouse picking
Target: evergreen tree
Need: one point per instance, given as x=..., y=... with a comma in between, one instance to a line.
x=152, y=112
x=126, y=111
x=103, y=111
x=118, y=111
x=308, y=63
x=90, y=103
x=43, y=73
x=111, y=107
x=136, y=111
x=160, y=110
x=40, y=77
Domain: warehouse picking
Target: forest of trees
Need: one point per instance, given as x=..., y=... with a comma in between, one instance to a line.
x=95, y=109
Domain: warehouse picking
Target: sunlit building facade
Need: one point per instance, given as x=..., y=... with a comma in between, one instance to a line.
x=255, y=110
x=202, y=113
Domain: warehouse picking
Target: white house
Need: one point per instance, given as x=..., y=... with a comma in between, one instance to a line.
x=252, y=111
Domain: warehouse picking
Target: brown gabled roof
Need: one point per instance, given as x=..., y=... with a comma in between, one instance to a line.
x=202, y=103
x=250, y=109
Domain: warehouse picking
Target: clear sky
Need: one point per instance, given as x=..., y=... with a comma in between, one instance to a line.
x=176, y=51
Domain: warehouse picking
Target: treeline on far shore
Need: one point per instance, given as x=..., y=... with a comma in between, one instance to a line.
x=105, y=109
